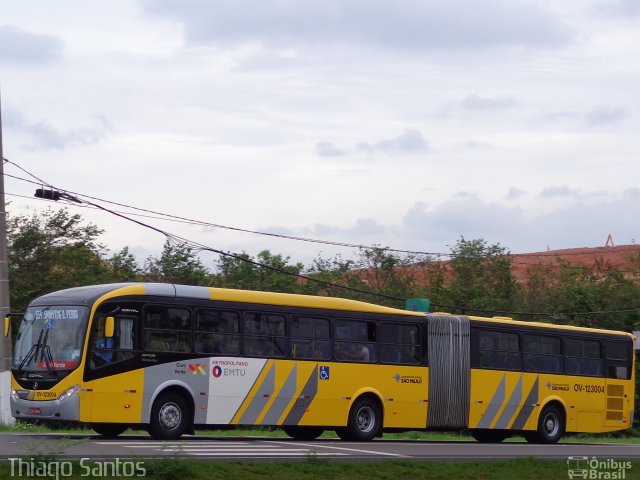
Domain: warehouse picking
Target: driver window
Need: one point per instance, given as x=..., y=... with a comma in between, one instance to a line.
x=119, y=347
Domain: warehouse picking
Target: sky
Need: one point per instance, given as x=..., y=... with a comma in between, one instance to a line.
x=403, y=123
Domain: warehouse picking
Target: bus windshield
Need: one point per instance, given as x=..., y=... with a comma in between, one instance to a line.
x=50, y=338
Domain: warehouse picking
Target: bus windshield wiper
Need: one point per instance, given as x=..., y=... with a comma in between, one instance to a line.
x=39, y=348
x=45, y=355
x=31, y=354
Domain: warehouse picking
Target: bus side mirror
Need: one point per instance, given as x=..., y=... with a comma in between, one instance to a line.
x=7, y=325
x=109, y=327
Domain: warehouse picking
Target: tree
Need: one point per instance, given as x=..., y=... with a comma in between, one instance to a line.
x=177, y=264
x=52, y=250
x=376, y=270
x=241, y=270
x=481, y=277
x=124, y=266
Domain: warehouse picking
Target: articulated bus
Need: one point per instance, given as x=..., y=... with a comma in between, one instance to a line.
x=174, y=358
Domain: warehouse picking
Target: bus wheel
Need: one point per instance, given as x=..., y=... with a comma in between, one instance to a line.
x=303, y=433
x=489, y=436
x=550, y=426
x=169, y=417
x=365, y=421
x=109, y=430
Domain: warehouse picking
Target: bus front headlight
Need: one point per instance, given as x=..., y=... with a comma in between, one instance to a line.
x=69, y=393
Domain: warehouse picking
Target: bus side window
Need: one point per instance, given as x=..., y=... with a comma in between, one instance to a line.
x=583, y=357
x=499, y=350
x=617, y=357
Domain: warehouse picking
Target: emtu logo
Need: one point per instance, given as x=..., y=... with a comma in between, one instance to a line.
x=217, y=371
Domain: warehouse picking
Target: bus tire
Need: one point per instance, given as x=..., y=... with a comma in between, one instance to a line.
x=551, y=425
x=365, y=421
x=170, y=417
x=489, y=436
x=109, y=430
x=303, y=433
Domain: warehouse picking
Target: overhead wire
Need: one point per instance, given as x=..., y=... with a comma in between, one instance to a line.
x=227, y=227
x=187, y=220
x=78, y=199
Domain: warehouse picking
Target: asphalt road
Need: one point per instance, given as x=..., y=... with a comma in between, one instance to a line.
x=21, y=445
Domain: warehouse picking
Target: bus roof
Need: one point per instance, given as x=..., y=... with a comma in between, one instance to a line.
x=511, y=321
x=89, y=294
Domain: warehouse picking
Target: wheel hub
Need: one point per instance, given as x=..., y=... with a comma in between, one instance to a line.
x=170, y=416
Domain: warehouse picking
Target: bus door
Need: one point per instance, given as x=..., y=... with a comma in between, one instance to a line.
x=449, y=371
x=115, y=386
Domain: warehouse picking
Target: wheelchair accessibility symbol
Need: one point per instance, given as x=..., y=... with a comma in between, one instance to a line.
x=324, y=373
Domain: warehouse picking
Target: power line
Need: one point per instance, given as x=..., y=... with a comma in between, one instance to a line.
x=75, y=200
x=180, y=219
x=226, y=227
x=202, y=247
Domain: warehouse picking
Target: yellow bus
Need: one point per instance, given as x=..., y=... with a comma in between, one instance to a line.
x=174, y=358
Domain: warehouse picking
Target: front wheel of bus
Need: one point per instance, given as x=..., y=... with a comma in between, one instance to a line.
x=169, y=417
x=489, y=436
x=109, y=430
x=365, y=421
x=550, y=426
x=303, y=433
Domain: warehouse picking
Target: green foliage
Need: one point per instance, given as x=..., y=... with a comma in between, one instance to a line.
x=480, y=277
x=374, y=270
x=52, y=250
x=124, y=266
x=176, y=264
x=242, y=271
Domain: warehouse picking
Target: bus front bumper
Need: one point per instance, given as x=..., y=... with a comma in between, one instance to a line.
x=63, y=408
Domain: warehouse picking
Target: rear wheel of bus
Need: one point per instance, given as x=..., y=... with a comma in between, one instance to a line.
x=365, y=421
x=170, y=416
x=551, y=426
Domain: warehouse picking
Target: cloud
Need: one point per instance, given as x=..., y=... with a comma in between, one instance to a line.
x=328, y=149
x=479, y=103
x=606, y=116
x=410, y=141
x=515, y=193
x=43, y=136
x=399, y=24
x=18, y=46
x=578, y=223
x=619, y=8
x=561, y=191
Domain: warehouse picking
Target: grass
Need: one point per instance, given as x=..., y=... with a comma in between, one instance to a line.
x=317, y=469
x=313, y=467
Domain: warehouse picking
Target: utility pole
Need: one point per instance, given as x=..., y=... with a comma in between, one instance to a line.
x=5, y=341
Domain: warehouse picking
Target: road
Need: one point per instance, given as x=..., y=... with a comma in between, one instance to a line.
x=14, y=445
